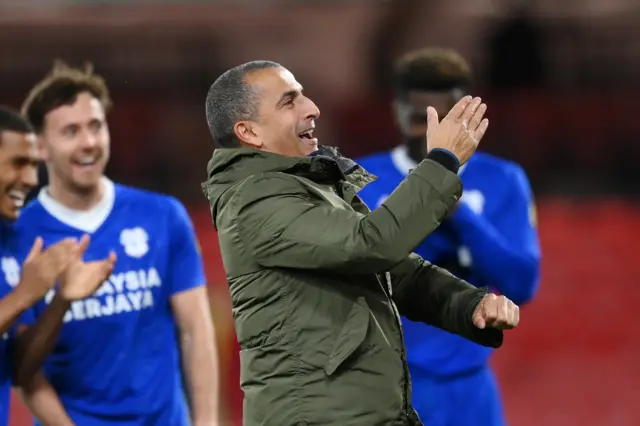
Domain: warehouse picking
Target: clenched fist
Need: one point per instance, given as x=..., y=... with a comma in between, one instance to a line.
x=460, y=130
x=496, y=312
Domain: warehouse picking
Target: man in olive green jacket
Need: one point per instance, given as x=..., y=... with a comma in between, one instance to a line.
x=318, y=281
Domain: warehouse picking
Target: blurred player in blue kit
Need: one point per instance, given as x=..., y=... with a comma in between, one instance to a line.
x=490, y=240
x=21, y=288
x=123, y=352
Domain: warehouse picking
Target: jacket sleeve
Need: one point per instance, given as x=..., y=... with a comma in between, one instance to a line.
x=425, y=293
x=283, y=225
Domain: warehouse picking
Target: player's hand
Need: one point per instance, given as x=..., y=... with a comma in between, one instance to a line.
x=82, y=279
x=41, y=268
x=460, y=130
x=496, y=312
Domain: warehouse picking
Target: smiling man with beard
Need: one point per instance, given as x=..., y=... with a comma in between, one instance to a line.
x=21, y=288
x=118, y=358
x=318, y=281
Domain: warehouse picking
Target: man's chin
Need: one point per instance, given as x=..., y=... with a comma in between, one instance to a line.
x=9, y=214
x=86, y=186
x=309, y=147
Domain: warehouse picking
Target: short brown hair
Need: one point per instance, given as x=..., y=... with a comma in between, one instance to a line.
x=431, y=69
x=60, y=87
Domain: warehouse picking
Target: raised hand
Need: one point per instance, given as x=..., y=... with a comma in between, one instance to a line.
x=82, y=279
x=41, y=268
x=496, y=312
x=460, y=130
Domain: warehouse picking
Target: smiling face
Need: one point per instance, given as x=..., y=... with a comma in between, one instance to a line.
x=75, y=141
x=286, y=118
x=18, y=171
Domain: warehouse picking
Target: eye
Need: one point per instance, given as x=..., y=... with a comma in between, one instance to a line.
x=70, y=131
x=95, y=125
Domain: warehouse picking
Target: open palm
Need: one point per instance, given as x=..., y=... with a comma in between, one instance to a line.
x=82, y=279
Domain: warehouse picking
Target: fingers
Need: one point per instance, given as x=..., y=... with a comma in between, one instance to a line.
x=470, y=111
x=107, y=265
x=477, y=117
x=490, y=310
x=478, y=321
x=62, y=246
x=459, y=108
x=36, y=249
x=432, y=117
x=481, y=130
x=82, y=245
x=500, y=312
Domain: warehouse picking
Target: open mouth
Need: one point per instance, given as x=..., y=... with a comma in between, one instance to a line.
x=17, y=197
x=307, y=136
x=86, y=161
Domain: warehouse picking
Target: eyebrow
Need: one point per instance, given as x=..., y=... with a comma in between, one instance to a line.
x=289, y=94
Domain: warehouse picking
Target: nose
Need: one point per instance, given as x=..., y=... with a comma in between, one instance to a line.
x=313, y=112
x=88, y=140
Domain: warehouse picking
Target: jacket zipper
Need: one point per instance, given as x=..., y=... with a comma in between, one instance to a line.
x=403, y=355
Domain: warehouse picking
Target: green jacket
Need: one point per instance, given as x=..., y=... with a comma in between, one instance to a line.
x=317, y=280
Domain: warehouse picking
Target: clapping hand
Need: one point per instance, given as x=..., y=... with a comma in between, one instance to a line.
x=81, y=279
x=41, y=268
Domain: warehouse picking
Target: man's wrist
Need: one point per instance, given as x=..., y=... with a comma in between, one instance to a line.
x=60, y=302
x=445, y=158
x=23, y=297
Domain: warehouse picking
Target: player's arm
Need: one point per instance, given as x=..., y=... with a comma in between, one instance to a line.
x=36, y=338
x=192, y=313
x=282, y=226
x=425, y=293
x=39, y=272
x=13, y=305
x=77, y=281
x=43, y=402
x=507, y=255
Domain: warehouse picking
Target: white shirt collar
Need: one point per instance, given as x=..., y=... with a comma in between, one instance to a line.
x=404, y=164
x=84, y=220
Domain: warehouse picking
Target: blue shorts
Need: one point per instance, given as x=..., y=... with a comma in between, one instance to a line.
x=467, y=400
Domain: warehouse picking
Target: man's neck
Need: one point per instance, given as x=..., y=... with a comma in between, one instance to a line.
x=74, y=199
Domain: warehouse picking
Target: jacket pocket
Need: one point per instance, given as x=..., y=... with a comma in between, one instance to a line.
x=351, y=337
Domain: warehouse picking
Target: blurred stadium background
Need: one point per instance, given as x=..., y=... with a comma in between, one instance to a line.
x=562, y=81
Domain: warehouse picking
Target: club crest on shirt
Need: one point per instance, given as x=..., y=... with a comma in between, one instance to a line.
x=11, y=269
x=135, y=242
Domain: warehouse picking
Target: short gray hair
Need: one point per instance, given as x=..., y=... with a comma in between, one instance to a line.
x=231, y=99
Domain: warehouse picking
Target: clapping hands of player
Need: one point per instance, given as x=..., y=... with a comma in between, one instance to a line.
x=81, y=279
x=496, y=312
x=63, y=260
x=41, y=268
x=460, y=130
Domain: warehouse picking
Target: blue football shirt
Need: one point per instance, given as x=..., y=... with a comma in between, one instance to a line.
x=491, y=240
x=11, y=256
x=117, y=361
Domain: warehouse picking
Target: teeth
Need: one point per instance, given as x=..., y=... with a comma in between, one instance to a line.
x=18, y=197
x=85, y=161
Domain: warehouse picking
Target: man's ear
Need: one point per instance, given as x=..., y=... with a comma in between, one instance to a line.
x=246, y=132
